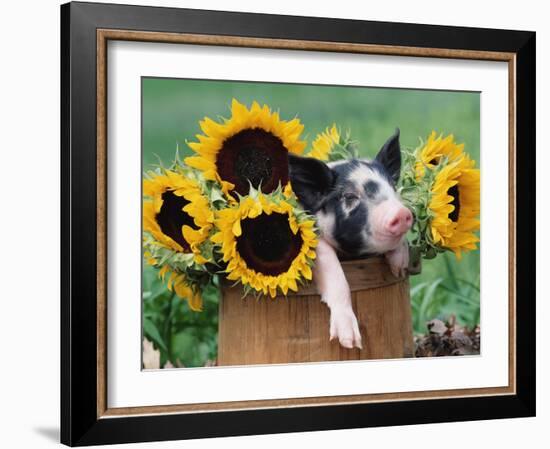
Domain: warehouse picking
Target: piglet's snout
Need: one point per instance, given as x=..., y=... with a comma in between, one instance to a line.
x=399, y=222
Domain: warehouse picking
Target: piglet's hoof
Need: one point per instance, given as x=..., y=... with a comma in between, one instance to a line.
x=344, y=327
x=398, y=260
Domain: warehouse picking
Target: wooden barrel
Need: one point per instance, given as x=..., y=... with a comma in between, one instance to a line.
x=296, y=328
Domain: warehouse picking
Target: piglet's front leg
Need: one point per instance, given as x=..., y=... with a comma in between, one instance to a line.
x=398, y=259
x=334, y=289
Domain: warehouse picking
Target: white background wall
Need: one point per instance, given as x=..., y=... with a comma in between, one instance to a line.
x=29, y=222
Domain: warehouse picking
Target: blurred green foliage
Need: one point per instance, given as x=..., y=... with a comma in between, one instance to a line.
x=183, y=337
x=172, y=109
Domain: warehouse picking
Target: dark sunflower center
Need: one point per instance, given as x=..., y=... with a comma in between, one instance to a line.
x=253, y=156
x=267, y=244
x=253, y=164
x=453, y=191
x=171, y=218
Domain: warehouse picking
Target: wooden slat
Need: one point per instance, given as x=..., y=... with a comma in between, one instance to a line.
x=296, y=328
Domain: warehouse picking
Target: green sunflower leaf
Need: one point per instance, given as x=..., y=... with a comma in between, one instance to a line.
x=153, y=333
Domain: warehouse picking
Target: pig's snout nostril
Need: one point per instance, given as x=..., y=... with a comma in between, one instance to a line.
x=401, y=222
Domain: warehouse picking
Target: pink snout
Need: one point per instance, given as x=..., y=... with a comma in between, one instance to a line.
x=399, y=222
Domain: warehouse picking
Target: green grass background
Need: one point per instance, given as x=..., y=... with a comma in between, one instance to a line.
x=171, y=111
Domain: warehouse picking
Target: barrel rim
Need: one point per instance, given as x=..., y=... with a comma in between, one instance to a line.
x=362, y=274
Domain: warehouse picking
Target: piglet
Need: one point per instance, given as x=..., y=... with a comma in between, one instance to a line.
x=359, y=214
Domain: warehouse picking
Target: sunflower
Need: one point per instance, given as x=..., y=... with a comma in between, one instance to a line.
x=454, y=206
x=436, y=148
x=250, y=148
x=178, y=283
x=149, y=258
x=177, y=214
x=324, y=143
x=267, y=243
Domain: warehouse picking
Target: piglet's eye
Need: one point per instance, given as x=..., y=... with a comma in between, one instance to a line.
x=349, y=196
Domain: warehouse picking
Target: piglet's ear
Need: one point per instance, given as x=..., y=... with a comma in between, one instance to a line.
x=311, y=180
x=390, y=156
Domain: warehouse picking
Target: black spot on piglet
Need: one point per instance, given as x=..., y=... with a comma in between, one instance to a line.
x=371, y=188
